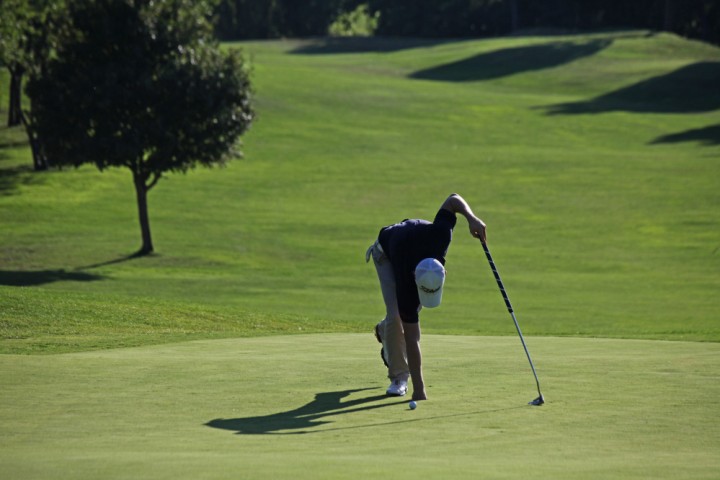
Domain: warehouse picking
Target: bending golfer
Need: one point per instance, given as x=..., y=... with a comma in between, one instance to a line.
x=410, y=257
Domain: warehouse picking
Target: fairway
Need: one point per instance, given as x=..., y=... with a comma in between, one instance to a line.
x=601, y=201
x=313, y=406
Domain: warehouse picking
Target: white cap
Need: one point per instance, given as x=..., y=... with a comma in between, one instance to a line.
x=429, y=277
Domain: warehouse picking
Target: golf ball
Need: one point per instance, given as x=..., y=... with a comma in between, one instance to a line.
x=412, y=404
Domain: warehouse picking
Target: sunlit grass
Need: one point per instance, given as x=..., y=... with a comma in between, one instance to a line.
x=598, y=226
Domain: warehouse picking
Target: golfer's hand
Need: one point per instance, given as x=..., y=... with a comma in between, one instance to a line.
x=477, y=229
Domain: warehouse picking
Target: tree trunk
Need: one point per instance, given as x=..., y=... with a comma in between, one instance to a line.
x=40, y=160
x=141, y=190
x=14, y=107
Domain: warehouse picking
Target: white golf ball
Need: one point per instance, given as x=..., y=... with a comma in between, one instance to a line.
x=412, y=404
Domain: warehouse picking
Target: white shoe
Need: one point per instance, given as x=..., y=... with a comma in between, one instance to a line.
x=397, y=388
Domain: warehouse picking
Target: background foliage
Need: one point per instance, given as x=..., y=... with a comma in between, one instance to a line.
x=468, y=18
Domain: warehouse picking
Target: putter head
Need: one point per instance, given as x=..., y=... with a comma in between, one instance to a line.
x=538, y=401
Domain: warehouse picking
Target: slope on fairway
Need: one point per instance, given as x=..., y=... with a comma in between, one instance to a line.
x=601, y=199
x=312, y=406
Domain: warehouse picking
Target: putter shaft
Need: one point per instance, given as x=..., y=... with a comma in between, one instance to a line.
x=540, y=400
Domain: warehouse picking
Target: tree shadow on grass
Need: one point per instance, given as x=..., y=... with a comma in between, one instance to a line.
x=690, y=89
x=511, y=61
x=303, y=418
x=125, y=258
x=11, y=178
x=42, y=277
x=708, y=136
x=31, y=278
x=334, y=45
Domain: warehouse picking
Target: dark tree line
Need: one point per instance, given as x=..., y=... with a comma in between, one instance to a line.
x=239, y=19
x=242, y=19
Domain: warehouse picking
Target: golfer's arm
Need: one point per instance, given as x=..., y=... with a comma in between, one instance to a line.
x=411, y=332
x=456, y=204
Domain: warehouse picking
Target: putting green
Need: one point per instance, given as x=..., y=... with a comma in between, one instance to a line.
x=312, y=406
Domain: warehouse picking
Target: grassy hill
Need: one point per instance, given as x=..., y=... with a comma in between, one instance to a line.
x=592, y=158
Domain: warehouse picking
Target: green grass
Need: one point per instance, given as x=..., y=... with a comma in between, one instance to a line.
x=592, y=158
x=600, y=225
x=312, y=407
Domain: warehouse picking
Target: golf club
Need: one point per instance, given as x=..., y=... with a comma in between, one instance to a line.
x=540, y=399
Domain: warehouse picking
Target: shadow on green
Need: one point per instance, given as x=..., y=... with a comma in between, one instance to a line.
x=311, y=414
x=308, y=416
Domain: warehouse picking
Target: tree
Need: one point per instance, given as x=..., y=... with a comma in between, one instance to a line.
x=278, y=18
x=25, y=43
x=141, y=85
x=13, y=23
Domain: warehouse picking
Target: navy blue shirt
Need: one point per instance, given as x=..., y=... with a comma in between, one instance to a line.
x=405, y=244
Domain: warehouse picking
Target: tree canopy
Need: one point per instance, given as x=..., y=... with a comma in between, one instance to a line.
x=25, y=43
x=140, y=85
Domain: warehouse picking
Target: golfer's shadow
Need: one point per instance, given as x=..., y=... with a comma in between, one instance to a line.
x=300, y=419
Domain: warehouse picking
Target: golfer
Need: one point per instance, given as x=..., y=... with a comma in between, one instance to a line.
x=409, y=257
